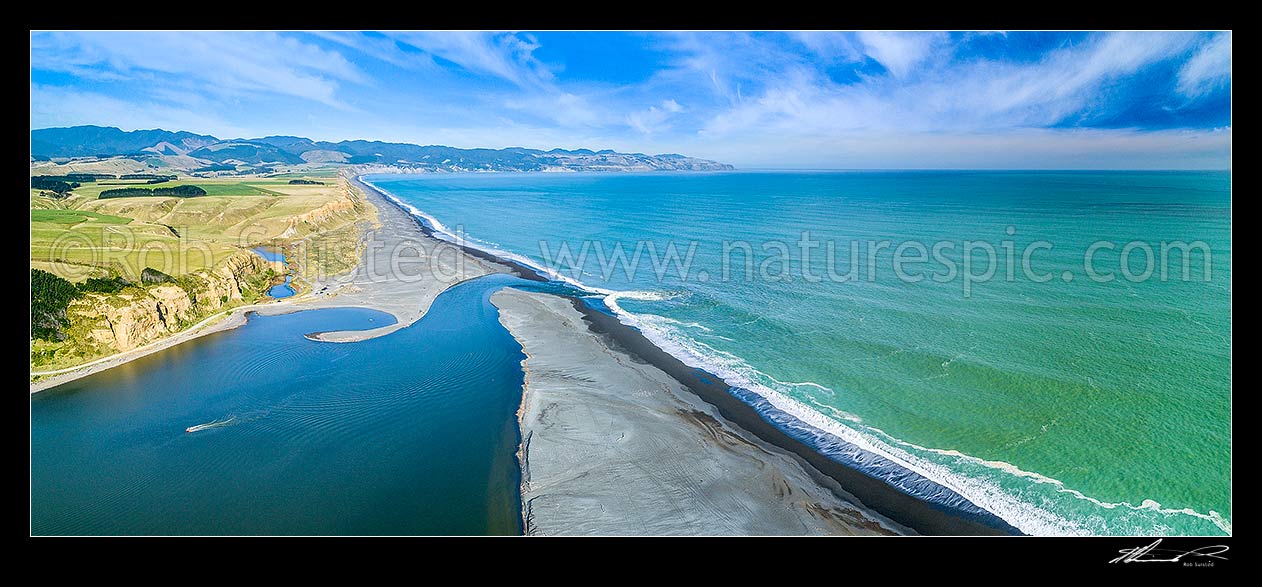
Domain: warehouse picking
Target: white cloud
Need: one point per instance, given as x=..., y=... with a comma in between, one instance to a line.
x=726, y=64
x=504, y=55
x=54, y=106
x=224, y=63
x=380, y=47
x=1210, y=66
x=975, y=96
x=830, y=46
x=563, y=108
x=899, y=52
x=654, y=118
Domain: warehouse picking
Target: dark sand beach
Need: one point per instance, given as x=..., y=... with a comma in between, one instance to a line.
x=854, y=486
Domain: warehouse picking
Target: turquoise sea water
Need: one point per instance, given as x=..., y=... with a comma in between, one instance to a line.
x=1066, y=406
x=411, y=433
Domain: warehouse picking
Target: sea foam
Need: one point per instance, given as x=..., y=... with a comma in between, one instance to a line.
x=844, y=438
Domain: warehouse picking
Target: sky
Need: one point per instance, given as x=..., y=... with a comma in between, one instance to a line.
x=805, y=100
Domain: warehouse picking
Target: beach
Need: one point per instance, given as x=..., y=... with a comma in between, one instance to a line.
x=986, y=402
x=425, y=268
x=401, y=271
x=614, y=446
x=681, y=455
x=863, y=481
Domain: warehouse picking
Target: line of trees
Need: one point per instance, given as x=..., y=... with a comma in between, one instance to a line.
x=79, y=177
x=305, y=182
x=52, y=185
x=182, y=191
x=51, y=296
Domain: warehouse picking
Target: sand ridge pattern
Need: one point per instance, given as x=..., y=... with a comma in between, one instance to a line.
x=613, y=446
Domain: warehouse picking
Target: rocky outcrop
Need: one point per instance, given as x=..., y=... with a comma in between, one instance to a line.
x=136, y=317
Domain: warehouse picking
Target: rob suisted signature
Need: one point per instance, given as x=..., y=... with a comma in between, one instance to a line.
x=1152, y=554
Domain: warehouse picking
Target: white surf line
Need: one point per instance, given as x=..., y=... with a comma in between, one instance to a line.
x=1146, y=505
x=980, y=492
x=695, y=358
x=737, y=372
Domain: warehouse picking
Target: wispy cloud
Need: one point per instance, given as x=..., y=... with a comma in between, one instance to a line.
x=1208, y=68
x=654, y=118
x=223, y=63
x=900, y=52
x=980, y=95
x=561, y=108
x=53, y=106
x=381, y=47
x=831, y=47
x=507, y=56
x=741, y=96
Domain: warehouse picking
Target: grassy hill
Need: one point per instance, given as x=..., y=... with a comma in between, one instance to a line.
x=201, y=243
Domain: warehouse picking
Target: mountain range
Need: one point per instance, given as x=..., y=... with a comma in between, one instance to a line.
x=161, y=145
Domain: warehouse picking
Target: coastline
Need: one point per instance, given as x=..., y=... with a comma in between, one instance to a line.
x=797, y=438
x=948, y=514
x=402, y=269
x=226, y=321
x=613, y=446
x=736, y=408
x=363, y=287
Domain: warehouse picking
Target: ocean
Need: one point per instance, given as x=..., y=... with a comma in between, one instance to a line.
x=1053, y=346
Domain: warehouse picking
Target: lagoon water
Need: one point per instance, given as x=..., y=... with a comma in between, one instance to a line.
x=412, y=433
x=1065, y=407
x=1068, y=406
x=280, y=290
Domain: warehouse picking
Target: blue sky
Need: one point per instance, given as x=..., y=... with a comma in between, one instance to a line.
x=819, y=100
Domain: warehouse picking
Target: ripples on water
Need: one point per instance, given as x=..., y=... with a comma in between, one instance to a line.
x=405, y=434
x=1063, y=407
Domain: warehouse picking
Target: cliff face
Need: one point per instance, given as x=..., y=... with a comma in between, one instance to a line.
x=136, y=317
x=325, y=212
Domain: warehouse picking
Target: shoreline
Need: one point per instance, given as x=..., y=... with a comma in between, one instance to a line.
x=920, y=515
x=228, y=320
x=407, y=301
x=828, y=455
x=613, y=446
x=514, y=267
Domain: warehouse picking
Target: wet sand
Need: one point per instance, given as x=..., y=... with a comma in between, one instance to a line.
x=874, y=494
x=904, y=512
x=615, y=446
x=401, y=271
x=700, y=459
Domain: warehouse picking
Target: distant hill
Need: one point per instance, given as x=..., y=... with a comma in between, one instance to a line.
x=241, y=151
x=104, y=142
